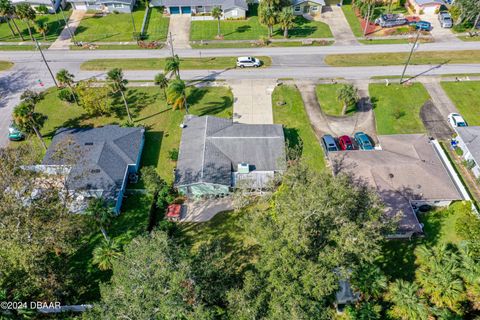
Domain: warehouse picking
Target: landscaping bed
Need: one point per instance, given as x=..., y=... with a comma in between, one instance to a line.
x=466, y=96
x=327, y=98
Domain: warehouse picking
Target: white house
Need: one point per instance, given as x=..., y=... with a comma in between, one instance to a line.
x=232, y=9
x=468, y=140
x=52, y=5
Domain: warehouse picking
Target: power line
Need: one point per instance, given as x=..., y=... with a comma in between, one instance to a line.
x=46, y=63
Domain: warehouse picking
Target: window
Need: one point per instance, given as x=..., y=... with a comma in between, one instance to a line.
x=297, y=8
x=118, y=5
x=315, y=8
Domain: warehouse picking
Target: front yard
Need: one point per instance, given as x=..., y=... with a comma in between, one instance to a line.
x=148, y=108
x=397, y=107
x=289, y=111
x=327, y=98
x=466, y=96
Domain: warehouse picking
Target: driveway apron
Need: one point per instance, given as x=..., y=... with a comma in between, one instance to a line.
x=334, y=17
x=179, y=27
x=64, y=40
x=252, y=101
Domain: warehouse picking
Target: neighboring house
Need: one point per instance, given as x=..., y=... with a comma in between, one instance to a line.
x=216, y=154
x=406, y=173
x=426, y=6
x=232, y=9
x=52, y=5
x=468, y=139
x=312, y=7
x=98, y=162
x=124, y=6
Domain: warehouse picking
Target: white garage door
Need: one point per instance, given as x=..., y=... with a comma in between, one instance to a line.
x=81, y=6
x=429, y=9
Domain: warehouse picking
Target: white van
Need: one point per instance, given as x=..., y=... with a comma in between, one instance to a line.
x=243, y=62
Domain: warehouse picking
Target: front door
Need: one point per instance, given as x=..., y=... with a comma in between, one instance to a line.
x=306, y=9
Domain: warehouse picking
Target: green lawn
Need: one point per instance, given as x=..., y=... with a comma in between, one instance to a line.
x=467, y=38
x=15, y=47
x=327, y=97
x=54, y=22
x=390, y=59
x=149, y=109
x=159, y=63
x=5, y=65
x=118, y=27
x=222, y=44
x=397, y=108
x=251, y=29
x=298, y=131
x=352, y=19
x=392, y=41
x=466, y=96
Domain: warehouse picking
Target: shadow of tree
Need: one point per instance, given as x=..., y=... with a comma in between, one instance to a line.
x=215, y=107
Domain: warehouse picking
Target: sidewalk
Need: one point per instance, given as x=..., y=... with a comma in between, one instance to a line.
x=64, y=40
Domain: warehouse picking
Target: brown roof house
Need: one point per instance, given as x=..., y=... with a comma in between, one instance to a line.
x=407, y=173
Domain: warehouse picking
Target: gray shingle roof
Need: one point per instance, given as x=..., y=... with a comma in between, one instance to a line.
x=224, y=4
x=471, y=138
x=211, y=148
x=100, y=155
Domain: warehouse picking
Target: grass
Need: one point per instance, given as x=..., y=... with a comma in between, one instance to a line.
x=397, y=108
x=467, y=38
x=5, y=65
x=21, y=47
x=392, y=41
x=113, y=47
x=327, y=97
x=54, y=22
x=118, y=27
x=298, y=131
x=223, y=45
x=390, y=59
x=149, y=109
x=159, y=63
x=352, y=19
x=465, y=95
x=252, y=29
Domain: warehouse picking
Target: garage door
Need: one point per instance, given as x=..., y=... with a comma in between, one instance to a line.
x=429, y=9
x=80, y=6
x=174, y=10
x=187, y=10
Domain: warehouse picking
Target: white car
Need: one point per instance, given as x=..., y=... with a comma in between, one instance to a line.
x=243, y=62
x=456, y=120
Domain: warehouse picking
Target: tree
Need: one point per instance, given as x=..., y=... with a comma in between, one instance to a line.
x=27, y=14
x=118, y=84
x=217, y=14
x=6, y=12
x=470, y=272
x=407, y=305
x=161, y=81
x=92, y=97
x=469, y=12
x=172, y=66
x=42, y=28
x=101, y=213
x=28, y=120
x=370, y=281
x=267, y=16
x=66, y=78
x=287, y=20
x=347, y=94
x=105, y=254
x=176, y=94
x=364, y=311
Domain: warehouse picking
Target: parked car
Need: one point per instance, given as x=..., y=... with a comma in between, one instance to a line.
x=243, y=62
x=422, y=25
x=445, y=20
x=14, y=134
x=456, y=120
x=345, y=143
x=390, y=20
x=329, y=143
x=363, y=141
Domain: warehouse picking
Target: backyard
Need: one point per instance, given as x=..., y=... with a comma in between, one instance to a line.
x=327, y=98
x=251, y=29
x=397, y=107
x=288, y=110
x=465, y=95
x=148, y=108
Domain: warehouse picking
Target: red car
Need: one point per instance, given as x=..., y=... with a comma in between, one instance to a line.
x=345, y=143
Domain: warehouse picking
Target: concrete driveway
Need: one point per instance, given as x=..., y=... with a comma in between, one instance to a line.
x=179, y=27
x=439, y=34
x=204, y=209
x=334, y=17
x=252, y=100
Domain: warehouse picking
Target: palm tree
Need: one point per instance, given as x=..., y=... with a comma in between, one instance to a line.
x=172, y=66
x=101, y=213
x=42, y=28
x=287, y=20
x=470, y=274
x=406, y=303
x=27, y=14
x=28, y=120
x=217, y=14
x=65, y=78
x=162, y=81
x=6, y=12
x=176, y=94
x=104, y=254
x=370, y=10
x=12, y=14
x=268, y=17
x=118, y=84
x=347, y=94
x=370, y=281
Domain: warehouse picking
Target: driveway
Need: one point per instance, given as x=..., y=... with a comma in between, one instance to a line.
x=435, y=123
x=439, y=97
x=334, y=17
x=252, y=100
x=204, y=209
x=439, y=34
x=179, y=27
x=64, y=40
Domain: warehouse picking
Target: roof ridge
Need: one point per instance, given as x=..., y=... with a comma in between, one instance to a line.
x=121, y=152
x=204, y=146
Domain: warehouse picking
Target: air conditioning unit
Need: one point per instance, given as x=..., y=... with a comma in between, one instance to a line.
x=243, y=168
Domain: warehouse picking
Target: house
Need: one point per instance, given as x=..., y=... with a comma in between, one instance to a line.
x=99, y=161
x=407, y=173
x=312, y=7
x=468, y=139
x=217, y=155
x=52, y=6
x=425, y=6
x=123, y=6
x=232, y=9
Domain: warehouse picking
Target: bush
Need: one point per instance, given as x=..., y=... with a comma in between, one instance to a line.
x=42, y=9
x=398, y=113
x=66, y=95
x=116, y=12
x=469, y=164
x=459, y=151
x=173, y=154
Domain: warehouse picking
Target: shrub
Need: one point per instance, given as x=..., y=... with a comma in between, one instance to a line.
x=42, y=9
x=398, y=113
x=173, y=154
x=469, y=164
x=66, y=95
x=459, y=151
x=116, y=12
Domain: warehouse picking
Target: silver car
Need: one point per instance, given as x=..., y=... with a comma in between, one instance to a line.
x=243, y=62
x=445, y=20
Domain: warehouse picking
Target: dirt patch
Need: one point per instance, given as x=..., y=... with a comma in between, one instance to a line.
x=434, y=122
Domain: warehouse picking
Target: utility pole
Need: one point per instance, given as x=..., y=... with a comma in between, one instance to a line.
x=46, y=63
x=414, y=46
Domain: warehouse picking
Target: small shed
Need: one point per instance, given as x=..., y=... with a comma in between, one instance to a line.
x=174, y=212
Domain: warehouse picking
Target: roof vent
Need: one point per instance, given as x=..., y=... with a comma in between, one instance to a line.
x=89, y=143
x=243, y=168
x=95, y=171
x=390, y=175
